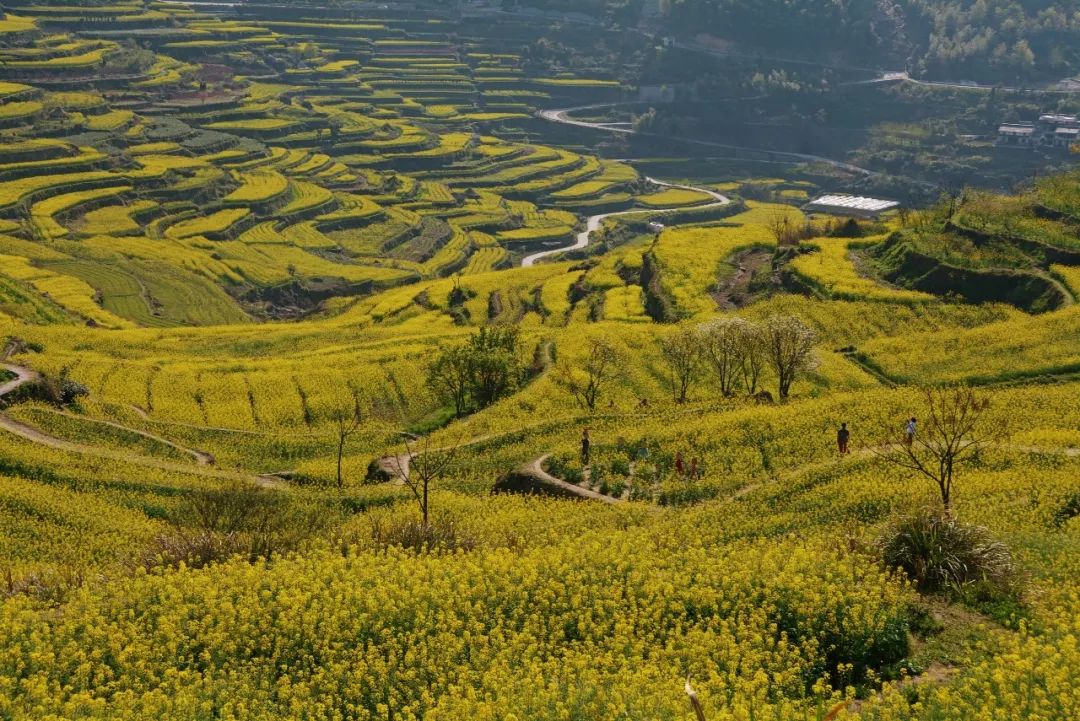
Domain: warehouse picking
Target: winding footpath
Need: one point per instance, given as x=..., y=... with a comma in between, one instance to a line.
x=203, y=461
x=534, y=469
x=22, y=377
x=595, y=221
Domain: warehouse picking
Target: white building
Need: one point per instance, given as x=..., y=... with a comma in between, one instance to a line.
x=856, y=206
x=1016, y=134
x=1051, y=130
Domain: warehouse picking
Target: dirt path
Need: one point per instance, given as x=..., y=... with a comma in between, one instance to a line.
x=203, y=461
x=201, y=458
x=142, y=413
x=397, y=467
x=35, y=435
x=734, y=293
x=867, y=452
x=535, y=469
x=22, y=377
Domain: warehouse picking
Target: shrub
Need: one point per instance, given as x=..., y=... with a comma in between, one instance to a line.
x=238, y=519
x=51, y=586
x=1069, y=509
x=58, y=390
x=620, y=467
x=565, y=467
x=194, y=549
x=413, y=534
x=941, y=554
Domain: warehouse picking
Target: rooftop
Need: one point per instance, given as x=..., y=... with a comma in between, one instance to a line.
x=1010, y=129
x=854, y=202
x=1056, y=118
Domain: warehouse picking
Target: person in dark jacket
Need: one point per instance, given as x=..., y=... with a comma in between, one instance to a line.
x=843, y=437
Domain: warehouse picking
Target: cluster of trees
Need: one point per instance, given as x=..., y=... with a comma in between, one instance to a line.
x=857, y=26
x=475, y=374
x=736, y=353
x=996, y=40
x=1012, y=41
x=987, y=40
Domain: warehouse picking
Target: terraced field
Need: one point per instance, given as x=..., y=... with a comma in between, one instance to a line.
x=263, y=269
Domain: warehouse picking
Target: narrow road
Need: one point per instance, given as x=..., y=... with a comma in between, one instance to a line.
x=595, y=221
x=562, y=116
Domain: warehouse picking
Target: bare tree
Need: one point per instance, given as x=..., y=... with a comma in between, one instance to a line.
x=600, y=363
x=733, y=347
x=786, y=231
x=954, y=427
x=346, y=423
x=753, y=355
x=421, y=465
x=721, y=348
x=789, y=346
x=780, y=227
x=682, y=351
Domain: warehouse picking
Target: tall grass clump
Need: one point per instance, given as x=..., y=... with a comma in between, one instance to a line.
x=942, y=554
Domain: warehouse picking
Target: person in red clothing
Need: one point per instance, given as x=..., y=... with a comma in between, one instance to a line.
x=679, y=466
x=843, y=436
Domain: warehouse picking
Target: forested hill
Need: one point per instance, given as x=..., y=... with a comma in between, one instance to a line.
x=1008, y=41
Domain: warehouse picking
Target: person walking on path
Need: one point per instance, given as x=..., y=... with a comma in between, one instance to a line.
x=585, y=447
x=679, y=466
x=909, y=432
x=843, y=436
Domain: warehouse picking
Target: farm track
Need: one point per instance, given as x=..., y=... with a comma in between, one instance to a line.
x=397, y=467
x=142, y=413
x=22, y=377
x=868, y=452
x=1035, y=379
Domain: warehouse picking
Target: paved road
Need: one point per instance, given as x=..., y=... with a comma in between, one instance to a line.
x=562, y=116
x=595, y=221
x=883, y=75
